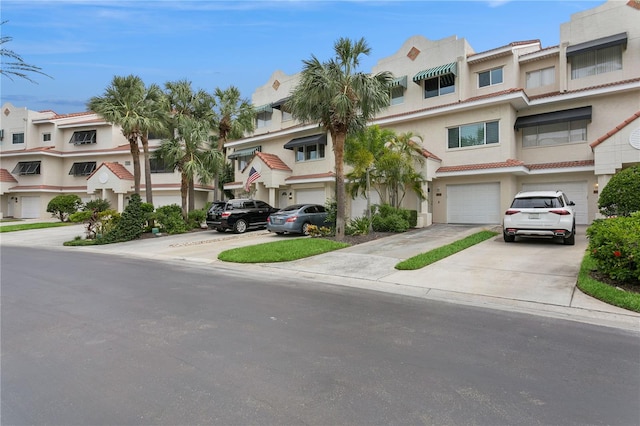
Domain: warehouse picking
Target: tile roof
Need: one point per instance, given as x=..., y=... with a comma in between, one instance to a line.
x=584, y=89
x=615, y=130
x=272, y=161
x=634, y=4
x=512, y=44
x=117, y=169
x=5, y=176
x=515, y=163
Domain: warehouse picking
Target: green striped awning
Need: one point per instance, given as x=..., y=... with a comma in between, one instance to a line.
x=451, y=68
x=263, y=108
x=400, y=81
x=244, y=152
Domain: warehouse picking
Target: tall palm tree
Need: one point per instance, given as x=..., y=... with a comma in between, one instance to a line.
x=189, y=149
x=233, y=117
x=342, y=100
x=137, y=109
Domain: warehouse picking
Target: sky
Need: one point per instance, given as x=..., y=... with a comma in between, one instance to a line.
x=83, y=44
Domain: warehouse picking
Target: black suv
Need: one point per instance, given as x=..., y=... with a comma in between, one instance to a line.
x=238, y=214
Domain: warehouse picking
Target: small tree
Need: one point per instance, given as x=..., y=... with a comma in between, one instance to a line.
x=62, y=206
x=621, y=196
x=131, y=223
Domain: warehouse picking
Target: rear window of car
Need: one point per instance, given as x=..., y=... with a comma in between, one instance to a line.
x=536, y=203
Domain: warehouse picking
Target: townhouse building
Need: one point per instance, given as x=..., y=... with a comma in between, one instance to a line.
x=44, y=154
x=516, y=117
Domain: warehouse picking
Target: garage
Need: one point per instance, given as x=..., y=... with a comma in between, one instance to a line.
x=166, y=200
x=30, y=207
x=474, y=203
x=575, y=191
x=359, y=204
x=310, y=196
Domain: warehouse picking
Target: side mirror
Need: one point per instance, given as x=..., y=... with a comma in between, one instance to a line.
x=571, y=203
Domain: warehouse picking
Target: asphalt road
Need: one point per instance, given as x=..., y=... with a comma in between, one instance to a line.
x=91, y=339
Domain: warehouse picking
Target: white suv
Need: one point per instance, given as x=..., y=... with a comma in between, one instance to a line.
x=540, y=214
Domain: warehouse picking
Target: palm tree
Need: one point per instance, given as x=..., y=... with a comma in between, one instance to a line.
x=18, y=67
x=138, y=110
x=342, y=100
x=190, y=149
x=233, y=117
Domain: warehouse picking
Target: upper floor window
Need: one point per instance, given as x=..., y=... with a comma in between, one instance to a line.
x=82, y=169
x=554, y=134
x=473, y=135
x=490, y=77
x=310, y=152
x=541, y=77
x=27, y=168
x=158, y=165
x=398, y=86
x=83, y=138
x=243, y=156
x=597, y=61
x=46, y=137
x=286, y=115
x=439, y=86
x=17, y=138
x=263, y=115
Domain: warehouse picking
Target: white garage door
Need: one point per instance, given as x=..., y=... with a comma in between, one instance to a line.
x=310, y=196
x=30, y=207
x=166, y=200
x=576, y=192
x=474, y=203
x=359, y=205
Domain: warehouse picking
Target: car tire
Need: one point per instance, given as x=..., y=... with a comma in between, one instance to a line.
x=240, y=226
x=508, y=238
x=305, y=229
x=571, y=241
x=220, y=229
x=280, y=233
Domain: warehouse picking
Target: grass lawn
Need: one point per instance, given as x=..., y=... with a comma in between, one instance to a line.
x=432, y=256
x=280, y=251
x=605, y=292
x=26, y=226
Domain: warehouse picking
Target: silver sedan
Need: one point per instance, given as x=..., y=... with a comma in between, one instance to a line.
x=296, y=219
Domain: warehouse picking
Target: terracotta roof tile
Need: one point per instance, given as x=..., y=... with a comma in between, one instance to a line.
x=615, y=130
x=48, y=188
x=117, y=169
x=482, y=166
x=560, y=165
x=5, y=176
x=272, y=161
x=634, y=4
x=313, y=176
x=617, y=83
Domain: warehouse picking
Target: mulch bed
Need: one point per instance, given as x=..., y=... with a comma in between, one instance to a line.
x=632, y=286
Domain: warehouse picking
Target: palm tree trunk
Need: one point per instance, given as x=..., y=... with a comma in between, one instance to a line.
x=192, y=196
x=148, y=188
x=184, y=191
x=135, y=157
x=338, y=150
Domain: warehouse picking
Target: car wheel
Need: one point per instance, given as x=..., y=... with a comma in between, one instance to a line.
x=280, y=233
x=508, y=238
x=571, y=241
x=240, y=226
x=305, y=229
x=220, y=229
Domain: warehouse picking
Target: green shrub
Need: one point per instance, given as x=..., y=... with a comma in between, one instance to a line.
x=62, y=206
x=170, y=220
x=98, y=204
x=130, y=225
x=614, y=244
x=316, y=232
x=196, y=217
x=413, y=218
x=392, y=223
x=358, y=226
x=621, y=196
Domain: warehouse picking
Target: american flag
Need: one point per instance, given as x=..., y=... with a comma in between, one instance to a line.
x=253, y=176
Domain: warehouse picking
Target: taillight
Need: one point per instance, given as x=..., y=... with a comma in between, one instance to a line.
x=225, y=214
x=269, y=219
x=510, y=212
x=292, y=219
x=560, y=212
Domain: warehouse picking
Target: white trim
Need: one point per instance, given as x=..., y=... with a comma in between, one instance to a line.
x=563, y=170
x=268, y=136
x=517, y=170
x=310, y=180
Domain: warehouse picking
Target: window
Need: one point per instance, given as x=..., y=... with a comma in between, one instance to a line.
x=397, y=95
x=82, y=169
x=439, y=86
x=263, y=119
x=554, y=133
x=158, y=165
x=27, y=168
x=17, y=138
x=598, y=61
x=46, y=137
x=310, y=152
x=83, y=138
x=286, y=115
x=243, y=160
x=489, y=78
x=474, y=135
x=541, y=77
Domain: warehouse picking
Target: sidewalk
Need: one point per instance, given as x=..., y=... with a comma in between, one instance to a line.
x=528, y=276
